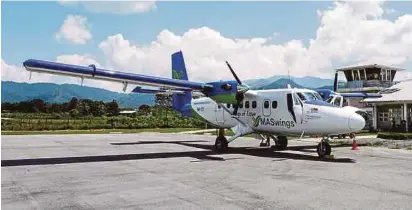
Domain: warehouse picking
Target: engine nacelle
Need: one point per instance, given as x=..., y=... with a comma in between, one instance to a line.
x=224, y=91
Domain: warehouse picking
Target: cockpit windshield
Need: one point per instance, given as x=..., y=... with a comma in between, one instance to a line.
x=309, y=96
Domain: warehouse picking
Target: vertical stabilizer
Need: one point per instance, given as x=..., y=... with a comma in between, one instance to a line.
x=181, y=102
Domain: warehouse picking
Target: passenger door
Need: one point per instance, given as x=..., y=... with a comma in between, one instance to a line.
x=266, y=107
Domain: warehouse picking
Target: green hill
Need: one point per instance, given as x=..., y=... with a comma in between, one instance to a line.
x=53, y=93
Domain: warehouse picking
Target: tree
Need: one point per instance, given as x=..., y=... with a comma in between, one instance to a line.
x=112, y=108
x=84, y=107
x=98, y=108
x=144, y=108
x=38, y=105
x=73, y=103
x=74, y=113
x=163, y=100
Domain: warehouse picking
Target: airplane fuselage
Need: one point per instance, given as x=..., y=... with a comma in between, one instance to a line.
x=281, y=112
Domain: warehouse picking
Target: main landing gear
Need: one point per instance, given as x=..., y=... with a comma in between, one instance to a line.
x=221, y=143
x=324, y=148
x=281, y=142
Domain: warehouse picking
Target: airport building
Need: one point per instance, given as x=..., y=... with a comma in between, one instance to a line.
x=391, y=112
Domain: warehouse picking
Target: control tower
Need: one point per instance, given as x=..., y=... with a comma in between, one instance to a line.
x=367, y=78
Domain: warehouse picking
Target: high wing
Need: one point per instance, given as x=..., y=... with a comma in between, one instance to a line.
x=92, y=72
x=360, y=95
x=163, y=91
x=230, y=91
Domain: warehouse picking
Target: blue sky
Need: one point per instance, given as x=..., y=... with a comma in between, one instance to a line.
x=29, y=28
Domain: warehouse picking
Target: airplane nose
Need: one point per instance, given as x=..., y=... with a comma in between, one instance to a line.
x=356, y=123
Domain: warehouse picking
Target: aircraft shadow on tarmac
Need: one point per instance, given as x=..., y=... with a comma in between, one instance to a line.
x=200, y=155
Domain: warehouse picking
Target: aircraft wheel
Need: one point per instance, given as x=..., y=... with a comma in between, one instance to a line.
x=324, y=149
x=282, y=143
x=221, y=144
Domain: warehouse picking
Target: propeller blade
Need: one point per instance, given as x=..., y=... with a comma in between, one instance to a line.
x=234, y=74
x=335, y=82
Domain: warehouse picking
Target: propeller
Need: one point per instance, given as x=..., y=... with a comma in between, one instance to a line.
x=241, y=89
x=335, y=82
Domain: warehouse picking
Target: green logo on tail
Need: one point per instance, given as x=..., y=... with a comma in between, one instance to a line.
x=177, y=74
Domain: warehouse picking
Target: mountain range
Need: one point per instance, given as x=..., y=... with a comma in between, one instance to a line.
x=54, y=93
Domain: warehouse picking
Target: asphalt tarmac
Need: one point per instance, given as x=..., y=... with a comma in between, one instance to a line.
x=181, y=171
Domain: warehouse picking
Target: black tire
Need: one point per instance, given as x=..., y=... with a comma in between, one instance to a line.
x=326, y=149
x=282, y=143
x=221, y=144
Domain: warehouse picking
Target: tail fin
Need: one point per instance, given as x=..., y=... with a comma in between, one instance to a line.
x=181, y=102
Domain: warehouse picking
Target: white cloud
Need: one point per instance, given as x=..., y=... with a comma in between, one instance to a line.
x=114, y=7
x=75, y=29
x=350, y=33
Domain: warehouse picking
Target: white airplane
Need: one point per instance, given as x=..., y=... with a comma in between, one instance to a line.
x=277, y=113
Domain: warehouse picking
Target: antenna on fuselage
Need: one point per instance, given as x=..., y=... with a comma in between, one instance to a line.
x=290, y=81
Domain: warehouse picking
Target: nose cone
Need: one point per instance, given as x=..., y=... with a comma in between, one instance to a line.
x=356, y=123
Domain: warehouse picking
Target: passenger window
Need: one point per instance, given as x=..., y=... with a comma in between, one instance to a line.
x=247, y=104
x=228, y=106
x=266, y=104
x=254, y=105
x=274, y=104
x=218, y=106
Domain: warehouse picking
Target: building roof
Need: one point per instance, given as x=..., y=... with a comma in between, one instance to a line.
x=127, y=112
x=369, y=66
x=398, y=92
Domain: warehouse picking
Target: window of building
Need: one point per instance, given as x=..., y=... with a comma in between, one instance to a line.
x=274, y=104
x=254, y=104
x=247, y=104
x=228, y=106
x=266, y=104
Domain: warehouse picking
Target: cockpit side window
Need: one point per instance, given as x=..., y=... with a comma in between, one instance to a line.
x=295, y=99
x=329, y=99
x=301, y=96
x=337, y=101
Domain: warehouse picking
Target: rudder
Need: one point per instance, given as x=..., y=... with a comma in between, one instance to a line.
x=181, y=102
